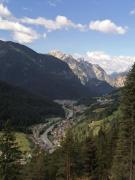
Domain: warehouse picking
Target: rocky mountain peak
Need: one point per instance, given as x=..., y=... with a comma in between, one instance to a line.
x=82, y=68
x=86, y=71
x=60, y=55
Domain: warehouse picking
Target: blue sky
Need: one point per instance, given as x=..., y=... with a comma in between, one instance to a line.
x=72, y=26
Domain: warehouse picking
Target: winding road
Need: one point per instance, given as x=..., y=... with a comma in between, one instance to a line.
x=42, y=139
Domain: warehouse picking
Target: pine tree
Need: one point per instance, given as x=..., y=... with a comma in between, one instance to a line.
x=102, y=155
x=69, y=152
x=10, y=155
x=124, y=159
x=35, y=169
x=89, y=153
x=112, y=137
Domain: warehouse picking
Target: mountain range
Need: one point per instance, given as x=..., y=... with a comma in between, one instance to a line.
x=87, y=72
x=56, y=76
x=40, y=74
x=30, y=82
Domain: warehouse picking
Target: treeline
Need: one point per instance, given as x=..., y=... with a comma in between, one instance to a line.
x=98, y=111
x=23, y=108
x=89, y=159
x=108, y=155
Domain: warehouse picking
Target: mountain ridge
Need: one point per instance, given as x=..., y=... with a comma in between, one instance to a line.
x=41, y=74
x=87, y=71
x=23, y=108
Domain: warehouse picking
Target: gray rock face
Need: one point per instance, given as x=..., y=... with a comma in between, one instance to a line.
x=86, y=71
x=119, y=79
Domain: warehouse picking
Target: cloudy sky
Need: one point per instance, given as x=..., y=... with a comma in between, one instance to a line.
x=101, y=30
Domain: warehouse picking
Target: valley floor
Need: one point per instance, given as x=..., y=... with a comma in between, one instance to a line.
x=49, y=135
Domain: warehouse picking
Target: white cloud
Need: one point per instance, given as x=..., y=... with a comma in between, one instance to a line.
x=110, y=63
x=4, y=11
x=44, y=35
x=27, y=9
x=54, y=2
x=20, y=32
x=23, y=37
x=60, y=22
x=132, y=12
x=107, y=26
x=96, y=55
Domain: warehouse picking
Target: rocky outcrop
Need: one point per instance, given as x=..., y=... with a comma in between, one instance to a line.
x=86, y=71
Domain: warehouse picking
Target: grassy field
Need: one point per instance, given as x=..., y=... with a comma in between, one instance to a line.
x=23, y=142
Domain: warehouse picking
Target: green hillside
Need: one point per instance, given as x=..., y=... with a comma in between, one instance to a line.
x=23, y=108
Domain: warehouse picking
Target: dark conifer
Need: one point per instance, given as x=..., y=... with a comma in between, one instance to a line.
x=10, y=155
x=124, y=159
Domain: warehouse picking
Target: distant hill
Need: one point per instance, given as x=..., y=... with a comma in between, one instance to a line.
x=43, y=75
x=23, y=108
